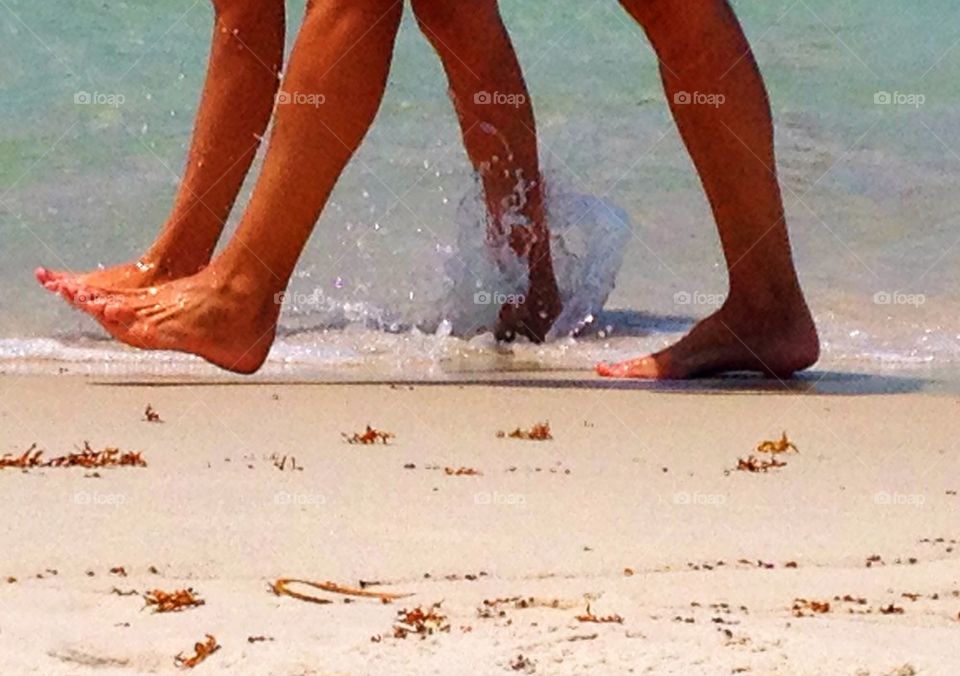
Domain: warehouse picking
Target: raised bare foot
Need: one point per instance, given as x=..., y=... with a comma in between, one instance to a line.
x=138, y=275
x=226, y=322
x=774, y=343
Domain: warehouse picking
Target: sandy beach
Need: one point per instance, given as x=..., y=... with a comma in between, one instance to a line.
x=635, y=507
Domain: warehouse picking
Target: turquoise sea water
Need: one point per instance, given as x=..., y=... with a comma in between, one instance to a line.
x=872, y=191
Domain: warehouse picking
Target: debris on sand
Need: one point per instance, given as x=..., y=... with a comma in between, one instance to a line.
x=421, y=622
x=29, y=458
x=201, y=652
x=172, y=602
x=370, y=436
x=588, y=616
x=281, y=463
x=462, y=471
x=754, y=464
x=808, y=608
x=107, y=457
x=493, y=608
x=781, y=445
x=759, y=465
x=150, y=414
x=522, y=663
x=539, y=432
x=282, y=588
x=85, y=457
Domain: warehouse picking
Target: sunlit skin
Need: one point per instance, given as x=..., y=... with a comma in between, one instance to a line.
x=227, y=314
x=764, y=325
x=243, y=75
x=174, y=297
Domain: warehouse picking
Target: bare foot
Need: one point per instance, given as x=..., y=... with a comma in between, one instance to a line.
x=138, y=275
x=778, y=345
x=532, y=317
x=222, y=321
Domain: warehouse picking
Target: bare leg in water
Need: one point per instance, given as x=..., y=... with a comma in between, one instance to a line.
x=764, y=325
x=500, y=140
x=243, y=75
x=499, y=133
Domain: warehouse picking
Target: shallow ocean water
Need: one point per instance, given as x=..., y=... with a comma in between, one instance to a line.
x=870, y=187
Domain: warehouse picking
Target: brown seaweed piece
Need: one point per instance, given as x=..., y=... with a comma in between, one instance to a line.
x=420, y=622
x=754, y=464
x=805, y=608
x=462, y=471
x=89, y=458
x=201, y=652
x=539, y=432
x=588, y=616
x=85, y=457
x=781, y=445
x=281, y=588
x=172, y=602
x=370, y=436
x=29, y=458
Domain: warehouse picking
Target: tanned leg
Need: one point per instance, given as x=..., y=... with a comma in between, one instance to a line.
x=238, y=97
x=764, y=325
x=227, y=313
x=499, y=132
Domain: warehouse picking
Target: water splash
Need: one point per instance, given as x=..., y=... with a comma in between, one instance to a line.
x=588, y=235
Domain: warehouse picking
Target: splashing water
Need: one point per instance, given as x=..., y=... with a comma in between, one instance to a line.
x=587, y=239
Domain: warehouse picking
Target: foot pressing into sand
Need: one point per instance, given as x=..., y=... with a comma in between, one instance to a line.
x=777, y=341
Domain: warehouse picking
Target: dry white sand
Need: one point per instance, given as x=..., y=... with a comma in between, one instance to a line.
x=632, y=480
